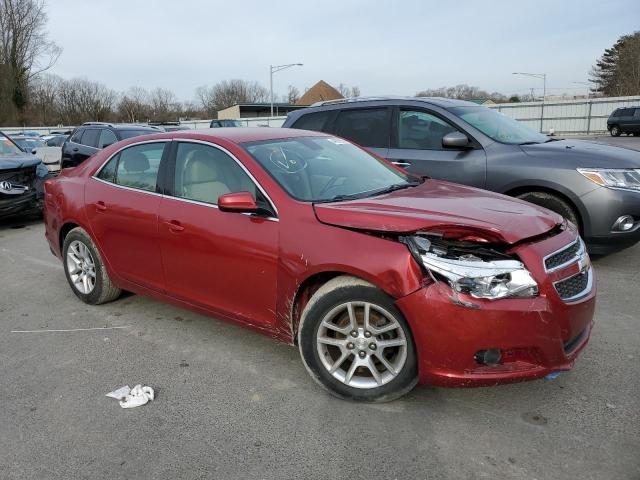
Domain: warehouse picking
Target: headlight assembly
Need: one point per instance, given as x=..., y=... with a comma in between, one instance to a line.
x=628, y=178
x=470, y=274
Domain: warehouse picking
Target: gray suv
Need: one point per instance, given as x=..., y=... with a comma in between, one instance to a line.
x=596, y=186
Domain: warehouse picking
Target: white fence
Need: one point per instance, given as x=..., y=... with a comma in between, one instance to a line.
x=192, y=124
x=567, y=116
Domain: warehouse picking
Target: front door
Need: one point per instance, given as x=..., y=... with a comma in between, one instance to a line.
x=225, y=262
x=122, y=205
x=417, y=147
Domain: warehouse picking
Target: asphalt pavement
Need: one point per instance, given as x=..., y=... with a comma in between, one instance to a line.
x=232, y=404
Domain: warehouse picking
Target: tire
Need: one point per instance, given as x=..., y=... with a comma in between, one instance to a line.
x=354, y=357
x=553, y=203
x=82, y=260
x=615, y=131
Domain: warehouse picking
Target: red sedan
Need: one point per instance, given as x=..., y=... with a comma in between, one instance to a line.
x=382, y=279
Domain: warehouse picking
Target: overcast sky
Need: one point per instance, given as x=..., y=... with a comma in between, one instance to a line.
x=384, y=47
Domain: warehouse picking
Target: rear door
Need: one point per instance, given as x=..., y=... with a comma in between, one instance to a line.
x=417, y=147
x=368, y=127
x=86, y=147
x=122, y=202
x=635, y=121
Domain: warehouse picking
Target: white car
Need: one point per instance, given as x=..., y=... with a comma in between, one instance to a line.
x=50, y=156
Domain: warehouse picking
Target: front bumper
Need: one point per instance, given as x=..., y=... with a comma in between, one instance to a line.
x=536, y=336
x=11, y=205
x=604, y=206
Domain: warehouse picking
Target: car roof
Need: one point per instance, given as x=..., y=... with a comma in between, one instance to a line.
x=438, y=101
x=245, y=134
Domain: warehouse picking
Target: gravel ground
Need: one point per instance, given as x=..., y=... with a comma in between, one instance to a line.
x=234, y=404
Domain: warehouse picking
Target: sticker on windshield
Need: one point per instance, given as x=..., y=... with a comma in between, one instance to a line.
x=338, y=141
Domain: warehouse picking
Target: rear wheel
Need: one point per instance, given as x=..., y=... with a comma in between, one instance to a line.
x=356, y=343
x=553, y=203
x=85, y=269
x=615, y=131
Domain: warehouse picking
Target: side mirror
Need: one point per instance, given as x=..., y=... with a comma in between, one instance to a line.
x=240, y=202
x=455, y=140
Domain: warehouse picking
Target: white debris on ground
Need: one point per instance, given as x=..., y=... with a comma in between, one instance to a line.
x=135, y=397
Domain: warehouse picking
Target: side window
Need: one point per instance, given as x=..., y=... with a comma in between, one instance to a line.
x=317, y=121
x=108, y=172
x=421, y=130
x=138, y=166
x=368, y=127
x=90, y=137
x=107, y=137
x=637, y=113
x=77, y=135
x=203, y=173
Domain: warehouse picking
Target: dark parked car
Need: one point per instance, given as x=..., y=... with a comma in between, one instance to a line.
x=93, y=136
x=21, y=178
x=595, y=186
x=225, y=123
x=624, y=120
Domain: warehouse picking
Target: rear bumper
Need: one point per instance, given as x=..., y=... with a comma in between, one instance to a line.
x=536, y=336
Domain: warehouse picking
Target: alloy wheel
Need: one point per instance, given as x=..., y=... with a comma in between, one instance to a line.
x=361, y=344
x=81, y=267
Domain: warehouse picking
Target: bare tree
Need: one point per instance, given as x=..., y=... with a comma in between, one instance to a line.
x=134, y=105
x=164, y=105
x=462, y=92
x=25, y=50
x=293, y=94
x=81, y=100
x=43, y=93
x=348, y=92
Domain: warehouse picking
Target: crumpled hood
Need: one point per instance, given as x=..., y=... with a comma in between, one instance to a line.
x=586, y=153
x=440, y=206
x=18, y=161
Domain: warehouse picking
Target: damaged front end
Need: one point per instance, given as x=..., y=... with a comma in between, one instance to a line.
x=472, y=267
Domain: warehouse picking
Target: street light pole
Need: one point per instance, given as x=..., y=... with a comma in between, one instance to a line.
x=543, y=77
x=276, y=68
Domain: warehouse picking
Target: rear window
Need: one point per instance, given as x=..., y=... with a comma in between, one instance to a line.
x=317, y=121
x=368, y=127
x=75, y=138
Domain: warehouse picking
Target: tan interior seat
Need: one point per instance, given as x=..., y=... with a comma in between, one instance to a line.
x=202, y=180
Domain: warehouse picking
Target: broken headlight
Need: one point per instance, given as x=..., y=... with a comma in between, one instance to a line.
x=486, y=274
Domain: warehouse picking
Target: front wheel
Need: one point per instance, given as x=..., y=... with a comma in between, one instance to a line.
x=553, y=203
x=356, y=343
x=615, y=131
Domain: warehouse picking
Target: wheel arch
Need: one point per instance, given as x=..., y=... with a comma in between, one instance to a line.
x=559, y=192
x=64, y=231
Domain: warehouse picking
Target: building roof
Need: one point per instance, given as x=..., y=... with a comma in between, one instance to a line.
x=482, y=101
x=321, y=91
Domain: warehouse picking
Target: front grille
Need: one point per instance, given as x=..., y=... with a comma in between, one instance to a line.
x=575, y=286
x=22, y=176
x=563, y=256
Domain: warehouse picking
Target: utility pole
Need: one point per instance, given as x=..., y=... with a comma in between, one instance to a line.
x=543, y=77
x=276, y=68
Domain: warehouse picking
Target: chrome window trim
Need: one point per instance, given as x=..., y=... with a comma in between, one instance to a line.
x=583, y=293
x=240, y=164
x=187, y=200
x=579, y=254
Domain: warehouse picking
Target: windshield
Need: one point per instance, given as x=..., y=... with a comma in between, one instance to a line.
x=498, y=126
x=317, y=169
x=7, y=147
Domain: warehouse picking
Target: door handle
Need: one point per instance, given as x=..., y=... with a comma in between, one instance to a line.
x=401, y=163
x=75, y=149
x=100, y=206
x=174, y=226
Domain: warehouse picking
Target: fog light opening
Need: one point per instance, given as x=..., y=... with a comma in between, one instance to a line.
x=489, y=357
x=624, y=223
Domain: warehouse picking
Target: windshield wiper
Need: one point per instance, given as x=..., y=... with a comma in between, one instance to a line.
x=529, y=143
x=372, y=193
x=553, y=140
